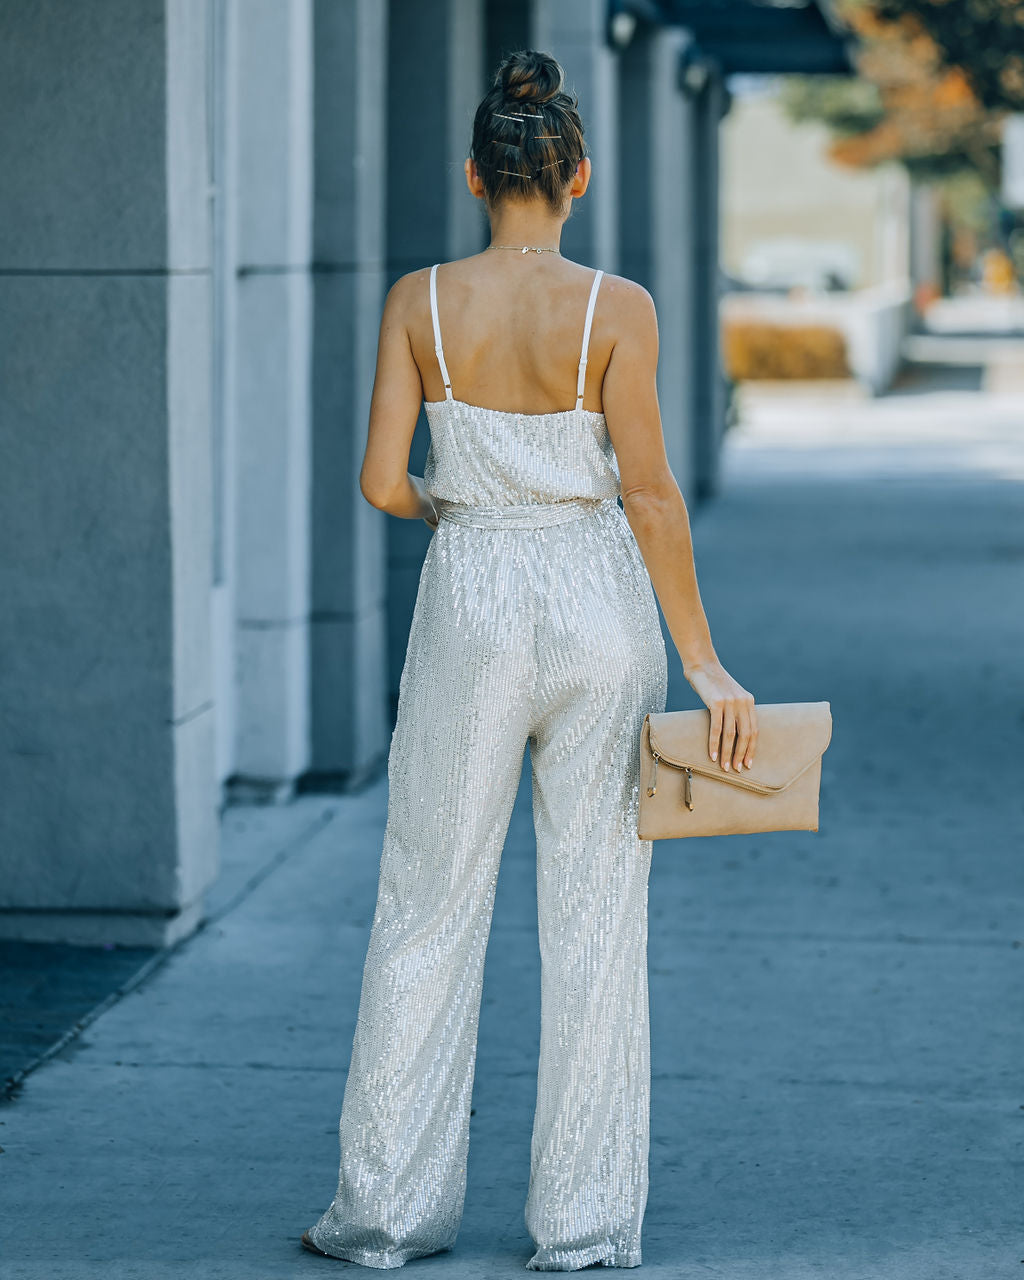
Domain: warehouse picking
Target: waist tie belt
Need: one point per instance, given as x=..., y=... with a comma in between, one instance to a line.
x=530, y=515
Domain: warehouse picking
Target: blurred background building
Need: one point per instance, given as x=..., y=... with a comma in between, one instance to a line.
x=205, y=202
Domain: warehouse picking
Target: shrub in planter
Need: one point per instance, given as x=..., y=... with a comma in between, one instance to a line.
x=756, y=349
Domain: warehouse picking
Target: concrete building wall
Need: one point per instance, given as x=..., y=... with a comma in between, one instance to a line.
x=350, y=721
x=222, y=81
x=273, y=210
x=711, y=104
x=656, y=231
x=108, y=826
x=506, y=29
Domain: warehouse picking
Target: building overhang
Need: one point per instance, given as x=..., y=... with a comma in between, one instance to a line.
x=771, y=37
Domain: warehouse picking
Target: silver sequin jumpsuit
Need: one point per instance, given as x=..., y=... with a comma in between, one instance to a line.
x=535, y=621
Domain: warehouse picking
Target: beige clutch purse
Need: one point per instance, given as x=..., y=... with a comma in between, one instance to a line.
x=684, y=793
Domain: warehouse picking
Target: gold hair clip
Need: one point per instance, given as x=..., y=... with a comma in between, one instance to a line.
x=548, y=166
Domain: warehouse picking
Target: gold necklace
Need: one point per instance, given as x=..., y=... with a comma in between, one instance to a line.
x=526, y=248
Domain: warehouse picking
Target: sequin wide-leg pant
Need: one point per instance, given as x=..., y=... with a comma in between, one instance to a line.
x=549, y=635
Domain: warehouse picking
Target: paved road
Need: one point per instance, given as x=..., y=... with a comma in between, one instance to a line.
x=837, y=1031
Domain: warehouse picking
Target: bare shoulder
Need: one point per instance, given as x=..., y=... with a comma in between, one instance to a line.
x=629, y=306
x=406, y=297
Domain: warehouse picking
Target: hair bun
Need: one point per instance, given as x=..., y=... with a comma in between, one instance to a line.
x=529, y=76
x=516, y=160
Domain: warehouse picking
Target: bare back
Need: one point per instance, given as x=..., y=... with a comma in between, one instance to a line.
x=512, y=332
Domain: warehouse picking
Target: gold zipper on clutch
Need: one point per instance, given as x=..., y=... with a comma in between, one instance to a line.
x=687, y=787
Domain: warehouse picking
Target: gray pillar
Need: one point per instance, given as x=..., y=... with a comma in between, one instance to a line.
x=925, y=237
x=223, y=82
x=709, y=383
x=574, y=32
x=507, y=28
x=350, y=727
x=108, y=827
x=273, y=306
x=656, y=222
x=431, y=216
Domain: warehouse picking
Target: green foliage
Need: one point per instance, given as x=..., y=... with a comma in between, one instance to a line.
x=849, y=106
x=969, y=202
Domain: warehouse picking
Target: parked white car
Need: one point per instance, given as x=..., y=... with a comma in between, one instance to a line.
x=821, y=266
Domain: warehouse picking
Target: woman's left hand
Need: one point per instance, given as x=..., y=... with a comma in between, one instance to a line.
x=733, y=737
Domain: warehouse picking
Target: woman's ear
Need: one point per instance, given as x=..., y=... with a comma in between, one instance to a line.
x=473, y=179
x=581, y=178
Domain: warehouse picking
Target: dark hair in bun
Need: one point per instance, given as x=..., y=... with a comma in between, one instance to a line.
x=527, y=132
x=529, y=76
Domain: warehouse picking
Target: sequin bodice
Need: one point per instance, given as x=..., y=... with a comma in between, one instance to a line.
x=491, y=457
x=487, y=456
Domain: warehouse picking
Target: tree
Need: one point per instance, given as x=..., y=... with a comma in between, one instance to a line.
x=984, y=39
x=932, y=87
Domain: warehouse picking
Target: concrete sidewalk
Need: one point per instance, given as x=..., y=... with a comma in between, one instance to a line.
x=836, y=1018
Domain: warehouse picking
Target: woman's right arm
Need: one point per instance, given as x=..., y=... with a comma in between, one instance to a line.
x=657, y=514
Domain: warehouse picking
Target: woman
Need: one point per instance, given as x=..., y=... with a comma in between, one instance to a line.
x=535, y=621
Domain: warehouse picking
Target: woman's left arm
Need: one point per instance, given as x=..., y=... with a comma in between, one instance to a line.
x=385, y=481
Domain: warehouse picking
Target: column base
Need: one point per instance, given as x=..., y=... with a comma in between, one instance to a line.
x=94, y=928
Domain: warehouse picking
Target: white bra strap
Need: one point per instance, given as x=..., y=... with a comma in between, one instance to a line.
x=437, y=332
x=581, y=379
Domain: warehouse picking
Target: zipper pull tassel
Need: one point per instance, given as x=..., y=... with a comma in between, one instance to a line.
x=687, y=790
x=654, y=776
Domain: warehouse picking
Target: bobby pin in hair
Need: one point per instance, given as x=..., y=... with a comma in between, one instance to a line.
x=514, y=173
x=522, y=115
x=548, y=166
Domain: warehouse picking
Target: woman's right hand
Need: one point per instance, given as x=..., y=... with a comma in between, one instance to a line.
x=733, y=736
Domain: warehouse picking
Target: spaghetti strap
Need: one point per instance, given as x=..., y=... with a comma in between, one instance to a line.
x=581, y=379
x=437, y=332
